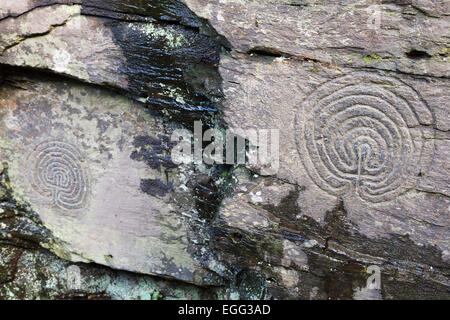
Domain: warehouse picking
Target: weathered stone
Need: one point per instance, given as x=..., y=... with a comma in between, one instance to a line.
x=58, y=47
x=309, y=259
x=81, y=158
x=363, y=117
x=15, y=8
x=338, y=32
x=385, y=203
x=156, y=64
x=358, y=91
x=37, y=274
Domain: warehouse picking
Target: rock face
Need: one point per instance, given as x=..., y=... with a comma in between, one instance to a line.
x=86, y=167
x=34, y=274
x=359, y=94
x=91, y=92
x=96, y=169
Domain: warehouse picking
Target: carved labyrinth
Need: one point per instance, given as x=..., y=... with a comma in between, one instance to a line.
x=364, y=133
x=56, y=171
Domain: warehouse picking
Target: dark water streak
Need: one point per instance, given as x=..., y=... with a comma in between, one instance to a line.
x=182, y=81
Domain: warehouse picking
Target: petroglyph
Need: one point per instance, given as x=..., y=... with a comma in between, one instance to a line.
x=56, y=171
x=364, y=133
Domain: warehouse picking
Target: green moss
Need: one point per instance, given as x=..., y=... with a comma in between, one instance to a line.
x=156, y=295
x=371, y=58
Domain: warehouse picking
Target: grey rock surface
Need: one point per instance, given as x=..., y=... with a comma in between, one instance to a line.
x=95, y=167
x=91, y=91
x=362, y=111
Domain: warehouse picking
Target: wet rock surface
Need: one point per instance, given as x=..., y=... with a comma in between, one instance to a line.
x=38, y=274
x=359, y=95
x=158, y=57
x=84, y=160
x=91, y=91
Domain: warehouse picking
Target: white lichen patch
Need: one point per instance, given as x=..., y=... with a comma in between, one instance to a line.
x=61, y=60
x=173, y=38
x=174, y=93
x=310, y=243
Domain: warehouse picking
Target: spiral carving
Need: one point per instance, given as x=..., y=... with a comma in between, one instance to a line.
x=56, y=172
x=363, y=133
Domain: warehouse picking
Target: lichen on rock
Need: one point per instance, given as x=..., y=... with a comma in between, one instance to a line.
x=93, y=207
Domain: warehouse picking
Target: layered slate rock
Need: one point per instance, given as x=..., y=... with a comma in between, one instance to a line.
x=36, y=274
x=366, y=138
x=70, y=148
x=152, y=52
x=94, y=168
x=406, y=36
x=362, y=111
x=359, y=92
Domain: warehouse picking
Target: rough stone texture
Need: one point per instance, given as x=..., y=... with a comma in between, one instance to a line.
x=263, y=228
x=95, y=168
x=37, y=274
x=382, y=204
x=338, y=32
x=170, y=66
x=363, y=119
x=91, y=90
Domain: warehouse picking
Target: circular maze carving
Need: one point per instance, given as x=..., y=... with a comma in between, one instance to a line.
x=56, y=172
x=364, y=133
